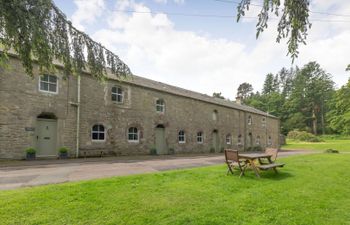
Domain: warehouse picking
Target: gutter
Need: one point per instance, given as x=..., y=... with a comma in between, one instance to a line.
x=78, y=116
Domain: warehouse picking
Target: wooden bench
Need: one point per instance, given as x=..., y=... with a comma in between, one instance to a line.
x=270, y=166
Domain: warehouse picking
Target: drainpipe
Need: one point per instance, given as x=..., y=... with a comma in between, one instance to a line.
x=78, y=116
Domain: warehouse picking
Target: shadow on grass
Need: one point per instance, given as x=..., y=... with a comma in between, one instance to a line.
x=271, y=175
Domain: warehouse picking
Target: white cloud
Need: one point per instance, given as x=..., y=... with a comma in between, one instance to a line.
x=166, y=1
x=152, y=47
x=87, y=12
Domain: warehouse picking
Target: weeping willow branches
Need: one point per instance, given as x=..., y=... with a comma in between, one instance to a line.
x=38, y=31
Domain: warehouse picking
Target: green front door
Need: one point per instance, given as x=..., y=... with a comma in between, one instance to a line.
x=216, y=140
x=161, y=145
x=46, y=137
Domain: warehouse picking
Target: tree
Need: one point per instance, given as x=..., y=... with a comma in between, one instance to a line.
x=244, y=90
x=39, y=31
x=218, y=95
x=339, y=115
x=293, y=24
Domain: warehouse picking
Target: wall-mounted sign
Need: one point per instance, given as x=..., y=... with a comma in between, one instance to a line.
x=29, y=128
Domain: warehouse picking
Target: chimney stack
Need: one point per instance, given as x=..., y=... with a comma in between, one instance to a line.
x=239, y=100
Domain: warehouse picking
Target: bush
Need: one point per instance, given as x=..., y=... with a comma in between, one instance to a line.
x=256, y=148
x=30, y=150
x=303, y=136
x=331, y=151
x=212, y=150
x=171, y=151
x=63, y=150
x=153, y=151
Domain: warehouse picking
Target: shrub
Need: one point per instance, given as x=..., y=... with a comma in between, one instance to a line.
x=63, y=150
x=30, y=150
x=171, y=151
x=212, y=150
x=303, y=136
x=331, y=151
x=256, y=148
x=153, y=151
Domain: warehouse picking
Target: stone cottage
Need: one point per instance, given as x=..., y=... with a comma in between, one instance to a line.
x=128, y=116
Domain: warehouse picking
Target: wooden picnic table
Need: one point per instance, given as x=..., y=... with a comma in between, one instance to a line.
x=252, y=157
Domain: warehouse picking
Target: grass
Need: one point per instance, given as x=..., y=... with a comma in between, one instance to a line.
x=312, y=189
x=330, y=142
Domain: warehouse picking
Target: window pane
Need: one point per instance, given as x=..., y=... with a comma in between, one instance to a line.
x=114, y=97
x=53, y=87
x=101, y=136
x=114, y=90
x=44, y=78
x=52, y=79
x=95, y=128
x=119, y=98
x=94, y=136
x=44, y=86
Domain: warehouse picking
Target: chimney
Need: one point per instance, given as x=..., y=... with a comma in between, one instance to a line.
x=239, y=100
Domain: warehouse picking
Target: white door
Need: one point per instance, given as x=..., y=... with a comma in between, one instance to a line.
x=46, y=137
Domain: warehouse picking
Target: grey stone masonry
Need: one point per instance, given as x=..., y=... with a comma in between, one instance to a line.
x=223, y=124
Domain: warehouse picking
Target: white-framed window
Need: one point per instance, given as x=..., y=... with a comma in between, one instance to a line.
x=117, y=94
x=228, y=139
x=182, y=136
x=239, y=140
x=263, y=121
x=269, y=142
x=257, y=142
x=98, y=133
x=133, y=134
x=48, y=83
x=215, y=115
x=250, y=120
x=160, y=105
x=200, y=137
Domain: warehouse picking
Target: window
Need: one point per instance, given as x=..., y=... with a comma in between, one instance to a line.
x=133, y=134
x=269, y=143
x=160, y=105
x=257, y=140
x=239, y=140
x=263, y=121
x=250, y=120
x=215, y=114
x=228, y=139
x=117, y=94
x=182, y=137
x=200, y=137
x=98, y=132
x=48, y=83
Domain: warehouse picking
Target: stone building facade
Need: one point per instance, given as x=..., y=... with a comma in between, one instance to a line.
x=131, y=116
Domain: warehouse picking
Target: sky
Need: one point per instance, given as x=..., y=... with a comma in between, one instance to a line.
x=158, y=40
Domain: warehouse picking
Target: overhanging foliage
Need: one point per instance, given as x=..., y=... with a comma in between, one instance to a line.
x=38, y=31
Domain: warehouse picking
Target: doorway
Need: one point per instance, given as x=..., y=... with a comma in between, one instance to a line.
x=160, y=141
x=215, y=139
x=46, y=136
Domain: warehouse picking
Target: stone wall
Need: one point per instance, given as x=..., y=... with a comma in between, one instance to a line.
x=21, y=103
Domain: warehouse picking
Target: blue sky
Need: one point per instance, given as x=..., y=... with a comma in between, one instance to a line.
x=208, y=54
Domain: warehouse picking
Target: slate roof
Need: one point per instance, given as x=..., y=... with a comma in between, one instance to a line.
x=156, y=85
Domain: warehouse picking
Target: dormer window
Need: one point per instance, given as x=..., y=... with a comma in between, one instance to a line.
x=117, y=94
x=48, y=83
x=160, y=105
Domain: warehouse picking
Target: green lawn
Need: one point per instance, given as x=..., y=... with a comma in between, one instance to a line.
x=312, y=189
x=341, y=144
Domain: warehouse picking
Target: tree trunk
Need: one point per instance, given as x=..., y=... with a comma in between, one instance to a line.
x=314, y=122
